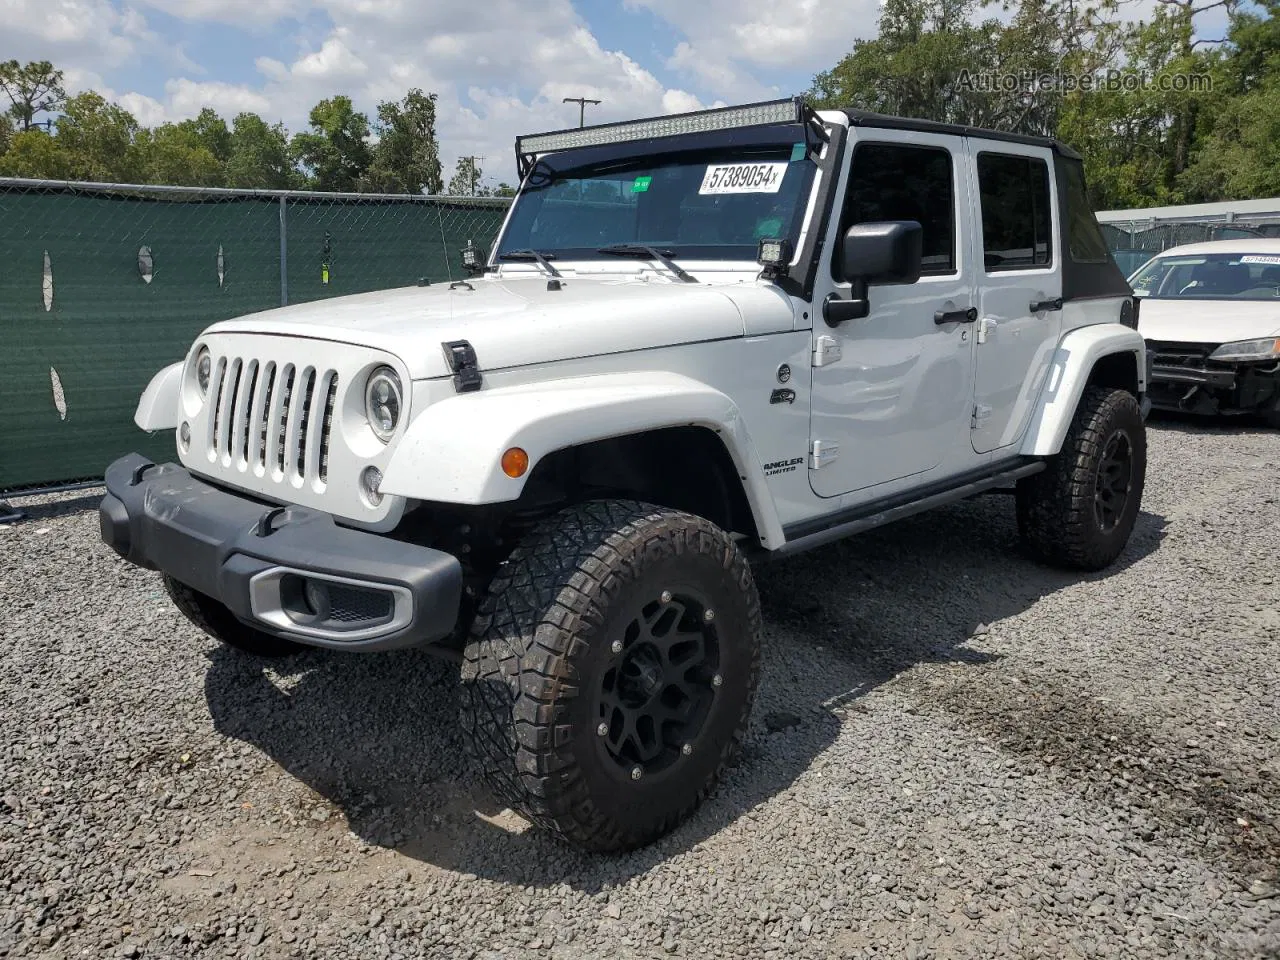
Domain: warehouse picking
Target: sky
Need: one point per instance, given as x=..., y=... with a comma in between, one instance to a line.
x=500, y=67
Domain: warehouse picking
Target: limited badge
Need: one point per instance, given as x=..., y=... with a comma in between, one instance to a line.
x=784, y=373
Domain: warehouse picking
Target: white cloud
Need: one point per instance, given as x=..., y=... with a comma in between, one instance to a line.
x=728, y=41
x=83, y=35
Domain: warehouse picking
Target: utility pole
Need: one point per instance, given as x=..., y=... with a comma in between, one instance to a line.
x=582, y=107
x=475, y=174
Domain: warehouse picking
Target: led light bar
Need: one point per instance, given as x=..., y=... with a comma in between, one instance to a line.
x=721, y=118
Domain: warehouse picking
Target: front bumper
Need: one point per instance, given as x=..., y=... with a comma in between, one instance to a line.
x=256, y=559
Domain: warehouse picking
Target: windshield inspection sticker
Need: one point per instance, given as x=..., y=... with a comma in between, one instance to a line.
x=1259, y=258
x=743, y=178
x=641, y=184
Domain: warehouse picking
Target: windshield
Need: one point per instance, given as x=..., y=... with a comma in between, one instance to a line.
x=714, y=202
x=1215, y=276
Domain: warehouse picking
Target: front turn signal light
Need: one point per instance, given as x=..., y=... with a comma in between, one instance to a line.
x=515, y=462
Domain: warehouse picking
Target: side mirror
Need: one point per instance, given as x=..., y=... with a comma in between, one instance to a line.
x=886, y=251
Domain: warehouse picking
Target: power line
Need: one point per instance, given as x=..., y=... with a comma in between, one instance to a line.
x=582, y=107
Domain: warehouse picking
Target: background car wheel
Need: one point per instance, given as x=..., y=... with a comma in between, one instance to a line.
x=609, y=675
x=216, y=620
x=1080, y=510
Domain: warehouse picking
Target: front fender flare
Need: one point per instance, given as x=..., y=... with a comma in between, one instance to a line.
x=451, y=452
x=1068, y=375
x=158, y=407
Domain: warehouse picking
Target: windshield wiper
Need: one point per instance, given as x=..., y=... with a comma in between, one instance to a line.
x=544, y=259
x=651, y=253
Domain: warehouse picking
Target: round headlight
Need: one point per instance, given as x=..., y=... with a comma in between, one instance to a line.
x=383, y=402
x=204, y=367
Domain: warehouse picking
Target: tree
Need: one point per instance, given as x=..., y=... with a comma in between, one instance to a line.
x=6, y=133
x=31, y=89
x=335, y=152
x=406, y=158
x=208, y=130
x=466, y=177
x=176, y=154
x=259, y=156
x=35, y=154
x=97, y=139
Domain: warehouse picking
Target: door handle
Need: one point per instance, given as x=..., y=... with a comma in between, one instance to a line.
x=956, y=316
x=1054, y=304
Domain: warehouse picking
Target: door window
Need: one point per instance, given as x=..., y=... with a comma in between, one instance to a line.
x=893, y=182
x=1016, y=225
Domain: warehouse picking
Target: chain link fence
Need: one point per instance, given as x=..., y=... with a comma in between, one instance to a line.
x=101, y=285
x=1135, y=242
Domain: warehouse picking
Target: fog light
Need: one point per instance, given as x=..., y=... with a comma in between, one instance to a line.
x=370, y=481
x=184, y=436
x=515, y=462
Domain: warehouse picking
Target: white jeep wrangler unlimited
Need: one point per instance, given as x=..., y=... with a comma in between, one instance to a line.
x=699, y=340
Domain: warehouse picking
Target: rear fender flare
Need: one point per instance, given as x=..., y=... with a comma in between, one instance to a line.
x=1070, y=367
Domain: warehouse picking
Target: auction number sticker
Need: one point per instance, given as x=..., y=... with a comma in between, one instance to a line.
x=1259, y=258
x=743, y=178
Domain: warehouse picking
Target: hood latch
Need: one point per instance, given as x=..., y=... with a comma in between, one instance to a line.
x=461, y=357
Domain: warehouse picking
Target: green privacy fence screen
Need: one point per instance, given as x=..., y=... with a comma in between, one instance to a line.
x=102, y=285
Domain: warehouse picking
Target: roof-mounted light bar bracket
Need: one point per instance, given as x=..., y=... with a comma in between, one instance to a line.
x=793, y=110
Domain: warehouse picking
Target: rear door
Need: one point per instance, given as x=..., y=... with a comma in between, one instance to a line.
x=1020, y=291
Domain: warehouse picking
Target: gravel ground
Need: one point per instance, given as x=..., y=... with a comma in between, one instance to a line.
x=955, y=753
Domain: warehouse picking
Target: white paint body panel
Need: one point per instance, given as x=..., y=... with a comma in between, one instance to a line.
x=158, y=405
x=1208, y=321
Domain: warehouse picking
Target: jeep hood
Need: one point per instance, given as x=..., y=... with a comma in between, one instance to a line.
x=519, y=321
x=1208, y=321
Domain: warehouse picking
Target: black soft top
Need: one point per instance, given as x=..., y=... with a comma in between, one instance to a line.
x=865, y=118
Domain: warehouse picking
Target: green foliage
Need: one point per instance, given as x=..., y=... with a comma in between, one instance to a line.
x=465, y=181
x=259, y=156
x=35, y=154
x=335, y=152
x=35, y=87
x=97, y=140
x=1156, y=143
x=6, y=133
x=406, y=158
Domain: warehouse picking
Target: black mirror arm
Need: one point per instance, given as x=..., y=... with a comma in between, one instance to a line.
x=836, y=311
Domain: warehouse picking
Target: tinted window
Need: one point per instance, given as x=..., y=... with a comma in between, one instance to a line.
x=708, y=204
x=1084, y=237
x=1015, y=212
x=891, y=182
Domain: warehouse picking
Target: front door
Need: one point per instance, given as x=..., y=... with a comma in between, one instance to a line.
x=1019, y=307
x=898, y=397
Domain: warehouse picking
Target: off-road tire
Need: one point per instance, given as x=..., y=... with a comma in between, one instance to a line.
x=1056, y=507
x=218, y=622
x=1272, y=417
x=542, y=647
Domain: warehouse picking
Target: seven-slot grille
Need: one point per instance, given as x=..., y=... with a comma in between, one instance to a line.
x=272, y=418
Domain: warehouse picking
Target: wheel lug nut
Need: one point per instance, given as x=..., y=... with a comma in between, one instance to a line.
x=687, y=749
x=636, y=773
x=602, y=730
x=708, y=615
x=717, y=680
x=617, y=646
x=666, y=596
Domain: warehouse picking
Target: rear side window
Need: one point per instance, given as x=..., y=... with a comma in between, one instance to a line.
x=893, y=182
x=1085, y=242
x=1016, y=223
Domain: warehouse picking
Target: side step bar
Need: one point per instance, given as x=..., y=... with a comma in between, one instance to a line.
x=803, y=536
